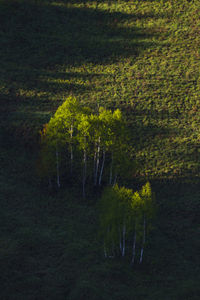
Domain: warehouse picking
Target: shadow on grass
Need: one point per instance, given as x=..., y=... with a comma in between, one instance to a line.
x=49, y=247
x=47, y=36
x=39, y=38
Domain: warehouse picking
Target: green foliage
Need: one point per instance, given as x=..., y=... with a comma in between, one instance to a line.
x=75, y=129
x=141, y=57
x=122, y=209
x=84, y=137
x=129, y=55
x=55, y=236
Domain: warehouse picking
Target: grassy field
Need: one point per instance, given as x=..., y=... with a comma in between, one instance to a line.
x=142, y=57
x=49, y=247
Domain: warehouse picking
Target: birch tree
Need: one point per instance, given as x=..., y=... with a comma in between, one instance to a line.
x=84, y=139
x=106, y=131
x=110, y=141
x=58, y=135
x=136, y=216
x=114, y=218
x=96, y=141
x=147, y=214
x=105, y=117
x=99, y=137
x=67, y=116
x=124, y=215
x=116, y=140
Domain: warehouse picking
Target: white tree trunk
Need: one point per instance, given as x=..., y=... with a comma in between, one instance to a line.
x=84, y=171
x=71, y=151
x=71, y=159
x=111, y=166
x=115, y=180
x=134, y=246
x=143, y=242
x=97, y=161
x=57, y=168
x=94, y=167
x=102, y=167
x=120, y=240
x=113, y=248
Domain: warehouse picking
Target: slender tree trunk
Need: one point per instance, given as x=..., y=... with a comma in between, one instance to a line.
x=71, y=151
x=57, y=168
x=95, y=157
x=71, y=159
x=97, y=162
x=84, y=171
x=115, y=180
x=111, y=166
x=120, y=240
x=102, y=167
x=124, y=239
x=134, y=246
x=143, y=242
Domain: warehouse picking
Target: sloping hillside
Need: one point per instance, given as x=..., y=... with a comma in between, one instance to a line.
x=142, y=57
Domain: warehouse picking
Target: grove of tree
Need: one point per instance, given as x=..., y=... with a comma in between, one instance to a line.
x=77, y=140
x=141, y=57
x=125, y=220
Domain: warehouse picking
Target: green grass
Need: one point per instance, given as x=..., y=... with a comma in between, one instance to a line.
x=142, y=57
x=139, y=56
x=49, y=246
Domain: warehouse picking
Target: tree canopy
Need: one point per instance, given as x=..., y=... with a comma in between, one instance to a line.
x=95, y=142
x=125, y=218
